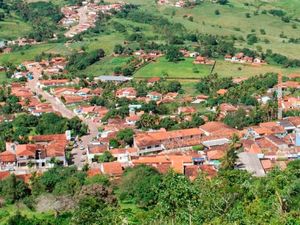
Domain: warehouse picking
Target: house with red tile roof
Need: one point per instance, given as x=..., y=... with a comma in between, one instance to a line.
x=154, y=95
x=4, y=174
x=93, y=150
x=47, y=83
x=129, y=93
x=186, y=110
x=63, y=91
x=222, y=91
x=114, y=169
x=177, y=162
x=83, y=92
x=292, y=76
x=152, y=142
x=93, y=172
x=8, y=160
x=123, y=155
x=152, y=81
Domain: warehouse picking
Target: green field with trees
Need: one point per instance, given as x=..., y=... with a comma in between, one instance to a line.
x=181, y=69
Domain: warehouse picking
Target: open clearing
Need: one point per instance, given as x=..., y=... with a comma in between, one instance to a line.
x=164, y=68
x=227, y=69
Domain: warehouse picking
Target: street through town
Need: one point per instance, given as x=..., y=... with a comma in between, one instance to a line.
x=82, y=13
x=58, y=106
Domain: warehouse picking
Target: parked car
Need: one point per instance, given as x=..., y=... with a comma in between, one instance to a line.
x=84, y=153
x=82, y=159
x=81, y=147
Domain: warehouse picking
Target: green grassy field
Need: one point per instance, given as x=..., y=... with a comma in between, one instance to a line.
x=227, y=69
x=105, y=66
x=164, y=68
x=13, y=28
x=29, y=54
x=11, y=210
x=232, y=16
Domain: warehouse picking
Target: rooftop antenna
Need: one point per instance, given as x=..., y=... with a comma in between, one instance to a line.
x=279, y=96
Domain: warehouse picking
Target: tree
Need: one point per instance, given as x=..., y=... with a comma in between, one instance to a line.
x=106, y=157
x=141, y=182
x=175, y=197
x=167, y=123
x=173, y=54
x=217, y=12
x=113, y=143
x=2, y=16
x=231, y=155
x=101, y=53
x=222, y=2
x=14, y=189
x=174, y=86
x=97, y=205
x=118, y=49
x=126, y=135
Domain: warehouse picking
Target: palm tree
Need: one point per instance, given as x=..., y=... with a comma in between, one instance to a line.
x=231, y=155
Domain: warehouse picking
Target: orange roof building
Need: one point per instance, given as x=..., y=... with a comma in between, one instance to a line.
x=222, y=91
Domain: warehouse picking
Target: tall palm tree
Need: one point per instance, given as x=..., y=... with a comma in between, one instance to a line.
x=231, y=155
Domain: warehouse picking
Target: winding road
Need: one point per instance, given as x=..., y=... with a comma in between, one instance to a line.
x=83, y=18
x=58, y=106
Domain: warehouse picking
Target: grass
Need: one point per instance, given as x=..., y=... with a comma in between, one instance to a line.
x=11, y=210
x=105, y=41
x=189, y=89
x=226, y=69
x=59, y=48
x=163, y=68
x=105, y=66
x=29, y=54
x=233, y=16
x=12, y=28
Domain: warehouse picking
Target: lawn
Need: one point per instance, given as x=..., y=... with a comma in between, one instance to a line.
x=227, y=69
x=182, y=69
x=29, y=54
x=105, y=66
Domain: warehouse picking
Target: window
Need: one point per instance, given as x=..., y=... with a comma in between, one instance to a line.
x=156, y=146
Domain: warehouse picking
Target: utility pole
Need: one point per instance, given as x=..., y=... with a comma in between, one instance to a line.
x=279, y=96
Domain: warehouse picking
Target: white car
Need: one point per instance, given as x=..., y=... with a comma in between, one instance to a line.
x=82, y=159
x=81, y=147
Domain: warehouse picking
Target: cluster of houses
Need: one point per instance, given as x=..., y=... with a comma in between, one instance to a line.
x=29, y=101
x=242, y=58
x=199, y=60
x=271, y=144
x=5, y=46
x=40, y=153
x=89, y=9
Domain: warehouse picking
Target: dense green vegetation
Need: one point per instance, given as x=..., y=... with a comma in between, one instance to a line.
x=50, y=123
x=233, y=196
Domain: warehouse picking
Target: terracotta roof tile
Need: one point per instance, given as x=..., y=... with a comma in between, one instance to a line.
x=112, y=168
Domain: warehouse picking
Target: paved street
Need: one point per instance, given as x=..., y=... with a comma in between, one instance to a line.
x=82, y=12
x=57, y=106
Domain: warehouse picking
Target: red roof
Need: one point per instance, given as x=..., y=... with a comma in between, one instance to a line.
x=4, y=174
x=222, y=91
x=26, y=150
x=7, y=156
x=154, y=79
x=112, y=168
x=94, y=172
